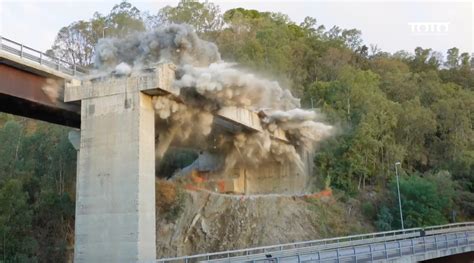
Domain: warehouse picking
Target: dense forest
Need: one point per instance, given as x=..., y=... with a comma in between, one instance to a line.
x=415, y=107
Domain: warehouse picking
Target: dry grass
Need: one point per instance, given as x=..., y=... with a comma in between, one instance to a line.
x=169, y=200
x=335, y=217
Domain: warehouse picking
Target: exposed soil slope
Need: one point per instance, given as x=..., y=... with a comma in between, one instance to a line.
x=212, y=222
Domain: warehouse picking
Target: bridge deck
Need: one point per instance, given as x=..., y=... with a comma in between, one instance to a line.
x=409, y=245
x=24, y=72
x=32, y=60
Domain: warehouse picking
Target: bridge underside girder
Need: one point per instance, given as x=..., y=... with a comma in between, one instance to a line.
x=457, y=258
x=25, y=108
x=21, y=93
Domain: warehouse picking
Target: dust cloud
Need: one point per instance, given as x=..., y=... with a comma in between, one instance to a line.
x=207, y=84
x=54, y=90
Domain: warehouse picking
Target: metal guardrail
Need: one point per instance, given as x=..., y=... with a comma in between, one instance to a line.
x=34, y=55
x=306, y=247
x=384, y=251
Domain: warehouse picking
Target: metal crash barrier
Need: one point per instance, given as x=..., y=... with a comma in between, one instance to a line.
x=378, y=246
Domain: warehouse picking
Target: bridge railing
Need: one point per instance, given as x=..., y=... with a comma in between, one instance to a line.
x=431, y=230
x=328, y=243
x=44, y=59
x=384, y=251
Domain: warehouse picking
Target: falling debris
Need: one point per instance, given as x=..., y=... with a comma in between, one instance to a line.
x=54, y=90
x=207, y=85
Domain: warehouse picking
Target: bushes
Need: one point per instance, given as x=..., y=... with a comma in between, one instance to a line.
x=463, y=173
x=169, y=200
x=16, y=243
x=426, y=201
x=368, y=210
x=384, y=219
x=37, y=186
x=54, y=225
x=465, y=200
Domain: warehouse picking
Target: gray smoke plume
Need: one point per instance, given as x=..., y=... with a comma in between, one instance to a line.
x=303, y=127
x=182, y=123
x=176, y=43
x=207, y=84
x=228, y=86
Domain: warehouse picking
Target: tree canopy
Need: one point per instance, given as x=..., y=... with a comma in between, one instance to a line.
x=413, y=107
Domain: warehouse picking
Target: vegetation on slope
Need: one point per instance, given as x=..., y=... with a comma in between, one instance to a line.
x=37, y=191
x=410, y=107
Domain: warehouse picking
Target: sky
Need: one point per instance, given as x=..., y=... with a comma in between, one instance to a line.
x=391, y=25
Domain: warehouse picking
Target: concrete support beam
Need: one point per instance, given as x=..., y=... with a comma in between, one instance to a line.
x=241, y=116
x=115, y=206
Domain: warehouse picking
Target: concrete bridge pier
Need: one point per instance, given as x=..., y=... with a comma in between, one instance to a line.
x=115, y=206
x=115, y=195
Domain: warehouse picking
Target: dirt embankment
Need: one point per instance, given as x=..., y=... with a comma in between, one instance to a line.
x=209, y=222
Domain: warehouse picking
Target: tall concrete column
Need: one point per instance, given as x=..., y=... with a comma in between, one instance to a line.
x=115, y=195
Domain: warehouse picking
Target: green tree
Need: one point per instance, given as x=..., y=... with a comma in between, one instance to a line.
x=11, y=135
x=16, y=242
x=459, y=69
x=384, y=219
x=53, y=223
x=368, y=147
x=452, y=58
x=76, y=42
x=425, y=60
x=416, y=126
x=311, y=27
x=123, y=19
x=36, y=191
x=454, y=133
x=396, y=79
x=426, y=201
x=205, y=17
x=464, y=59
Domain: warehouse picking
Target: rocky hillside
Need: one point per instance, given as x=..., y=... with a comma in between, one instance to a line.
x=192, y=222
